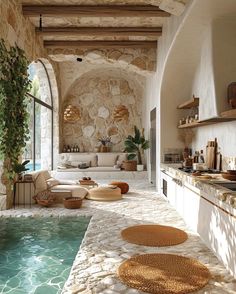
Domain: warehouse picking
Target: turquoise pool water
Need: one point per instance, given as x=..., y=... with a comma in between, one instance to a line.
x=36, y=254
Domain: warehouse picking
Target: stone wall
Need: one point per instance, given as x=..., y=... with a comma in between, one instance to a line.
x=142, y=61
x=97, y=94
x=15, y=28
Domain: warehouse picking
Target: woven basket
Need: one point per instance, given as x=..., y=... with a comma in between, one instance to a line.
x=45, y=198
x=72, y=202
x=130, y=165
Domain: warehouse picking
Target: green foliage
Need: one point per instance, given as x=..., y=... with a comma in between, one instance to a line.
x=35, y=91
x=135, y=145
x=19, y=168
x=14, y=84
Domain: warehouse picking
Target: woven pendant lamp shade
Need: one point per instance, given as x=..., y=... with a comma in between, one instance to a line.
x=71, y=114
x=121, y=113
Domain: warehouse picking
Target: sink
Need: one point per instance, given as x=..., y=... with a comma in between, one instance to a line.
x=230, y=186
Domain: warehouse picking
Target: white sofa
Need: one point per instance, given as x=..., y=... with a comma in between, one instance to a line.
x=101, y=166
x=109, y=161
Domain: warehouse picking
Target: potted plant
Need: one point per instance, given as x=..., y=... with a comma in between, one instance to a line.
x=105, y=144
x=135, y=146
x=20, y=168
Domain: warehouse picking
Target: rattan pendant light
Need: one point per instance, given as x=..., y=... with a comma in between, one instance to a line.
x=71, y=114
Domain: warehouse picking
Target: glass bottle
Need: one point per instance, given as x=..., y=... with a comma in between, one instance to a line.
x=201, y=157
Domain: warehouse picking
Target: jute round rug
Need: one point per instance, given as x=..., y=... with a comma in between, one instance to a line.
x=164, y=274
x=154, y=235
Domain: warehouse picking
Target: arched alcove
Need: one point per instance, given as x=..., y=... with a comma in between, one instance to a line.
x=98, y=94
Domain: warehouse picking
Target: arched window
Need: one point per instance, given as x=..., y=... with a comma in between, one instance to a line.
x=39, y=147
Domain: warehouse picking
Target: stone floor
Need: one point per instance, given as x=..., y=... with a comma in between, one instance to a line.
x=102, y=250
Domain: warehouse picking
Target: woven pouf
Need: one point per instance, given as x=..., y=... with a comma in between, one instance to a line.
x=122, y=185
x=105, y=193
x=164, y=274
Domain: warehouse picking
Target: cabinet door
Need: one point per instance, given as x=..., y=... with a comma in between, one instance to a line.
x=179, y=199
x=163, y=184
x=191, y=202
x=167, y=187
x=171, y=190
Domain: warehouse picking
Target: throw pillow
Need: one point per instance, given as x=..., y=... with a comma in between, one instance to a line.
x=83, y=165
x=107, y=159
x=52, y=182
x=84, y=157
x=40, y=183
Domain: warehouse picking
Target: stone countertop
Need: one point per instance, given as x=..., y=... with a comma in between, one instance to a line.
x=207, y=188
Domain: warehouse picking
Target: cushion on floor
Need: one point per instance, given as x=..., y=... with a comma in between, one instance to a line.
x=104, y=194
x=122, y=185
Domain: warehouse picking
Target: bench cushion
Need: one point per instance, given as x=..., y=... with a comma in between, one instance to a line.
x=107, y=159
x=77, y=158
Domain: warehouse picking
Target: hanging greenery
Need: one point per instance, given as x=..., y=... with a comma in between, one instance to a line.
x=14, y=131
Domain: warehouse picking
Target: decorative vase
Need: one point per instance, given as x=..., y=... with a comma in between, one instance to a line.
x=105, y=148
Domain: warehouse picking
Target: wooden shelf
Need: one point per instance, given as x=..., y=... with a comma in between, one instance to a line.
x=231, y=114
x=226, y=116
x=193, y=102
x=206, y=122
x=193, y=125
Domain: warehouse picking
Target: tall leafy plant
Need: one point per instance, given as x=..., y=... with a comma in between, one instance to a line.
x=135, y=145
x=14, y=84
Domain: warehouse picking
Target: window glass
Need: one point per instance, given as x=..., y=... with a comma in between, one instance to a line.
x=40, y=82
x=39, y=146
x=29, y=148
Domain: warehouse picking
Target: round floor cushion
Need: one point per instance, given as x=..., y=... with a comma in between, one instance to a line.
x=164, y=274
x=105, y=193
x=154, y=235
x=122, y=185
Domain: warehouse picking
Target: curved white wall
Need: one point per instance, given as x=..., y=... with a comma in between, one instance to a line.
x=195, y=56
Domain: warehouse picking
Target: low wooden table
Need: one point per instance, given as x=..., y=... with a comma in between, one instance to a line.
x=87, y=184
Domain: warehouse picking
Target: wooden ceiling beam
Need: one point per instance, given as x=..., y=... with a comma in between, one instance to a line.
x=94, y=11
x=100, y=44
x=101, y=31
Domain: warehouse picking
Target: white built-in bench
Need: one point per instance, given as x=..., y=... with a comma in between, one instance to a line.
x=101, y=166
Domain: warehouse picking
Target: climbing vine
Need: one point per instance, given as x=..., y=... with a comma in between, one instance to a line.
x=14, y=131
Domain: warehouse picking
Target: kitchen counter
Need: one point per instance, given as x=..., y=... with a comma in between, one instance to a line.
x=219, y=195
x=207, y=208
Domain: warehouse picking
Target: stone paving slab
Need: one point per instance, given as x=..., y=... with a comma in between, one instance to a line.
x=102, y=250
